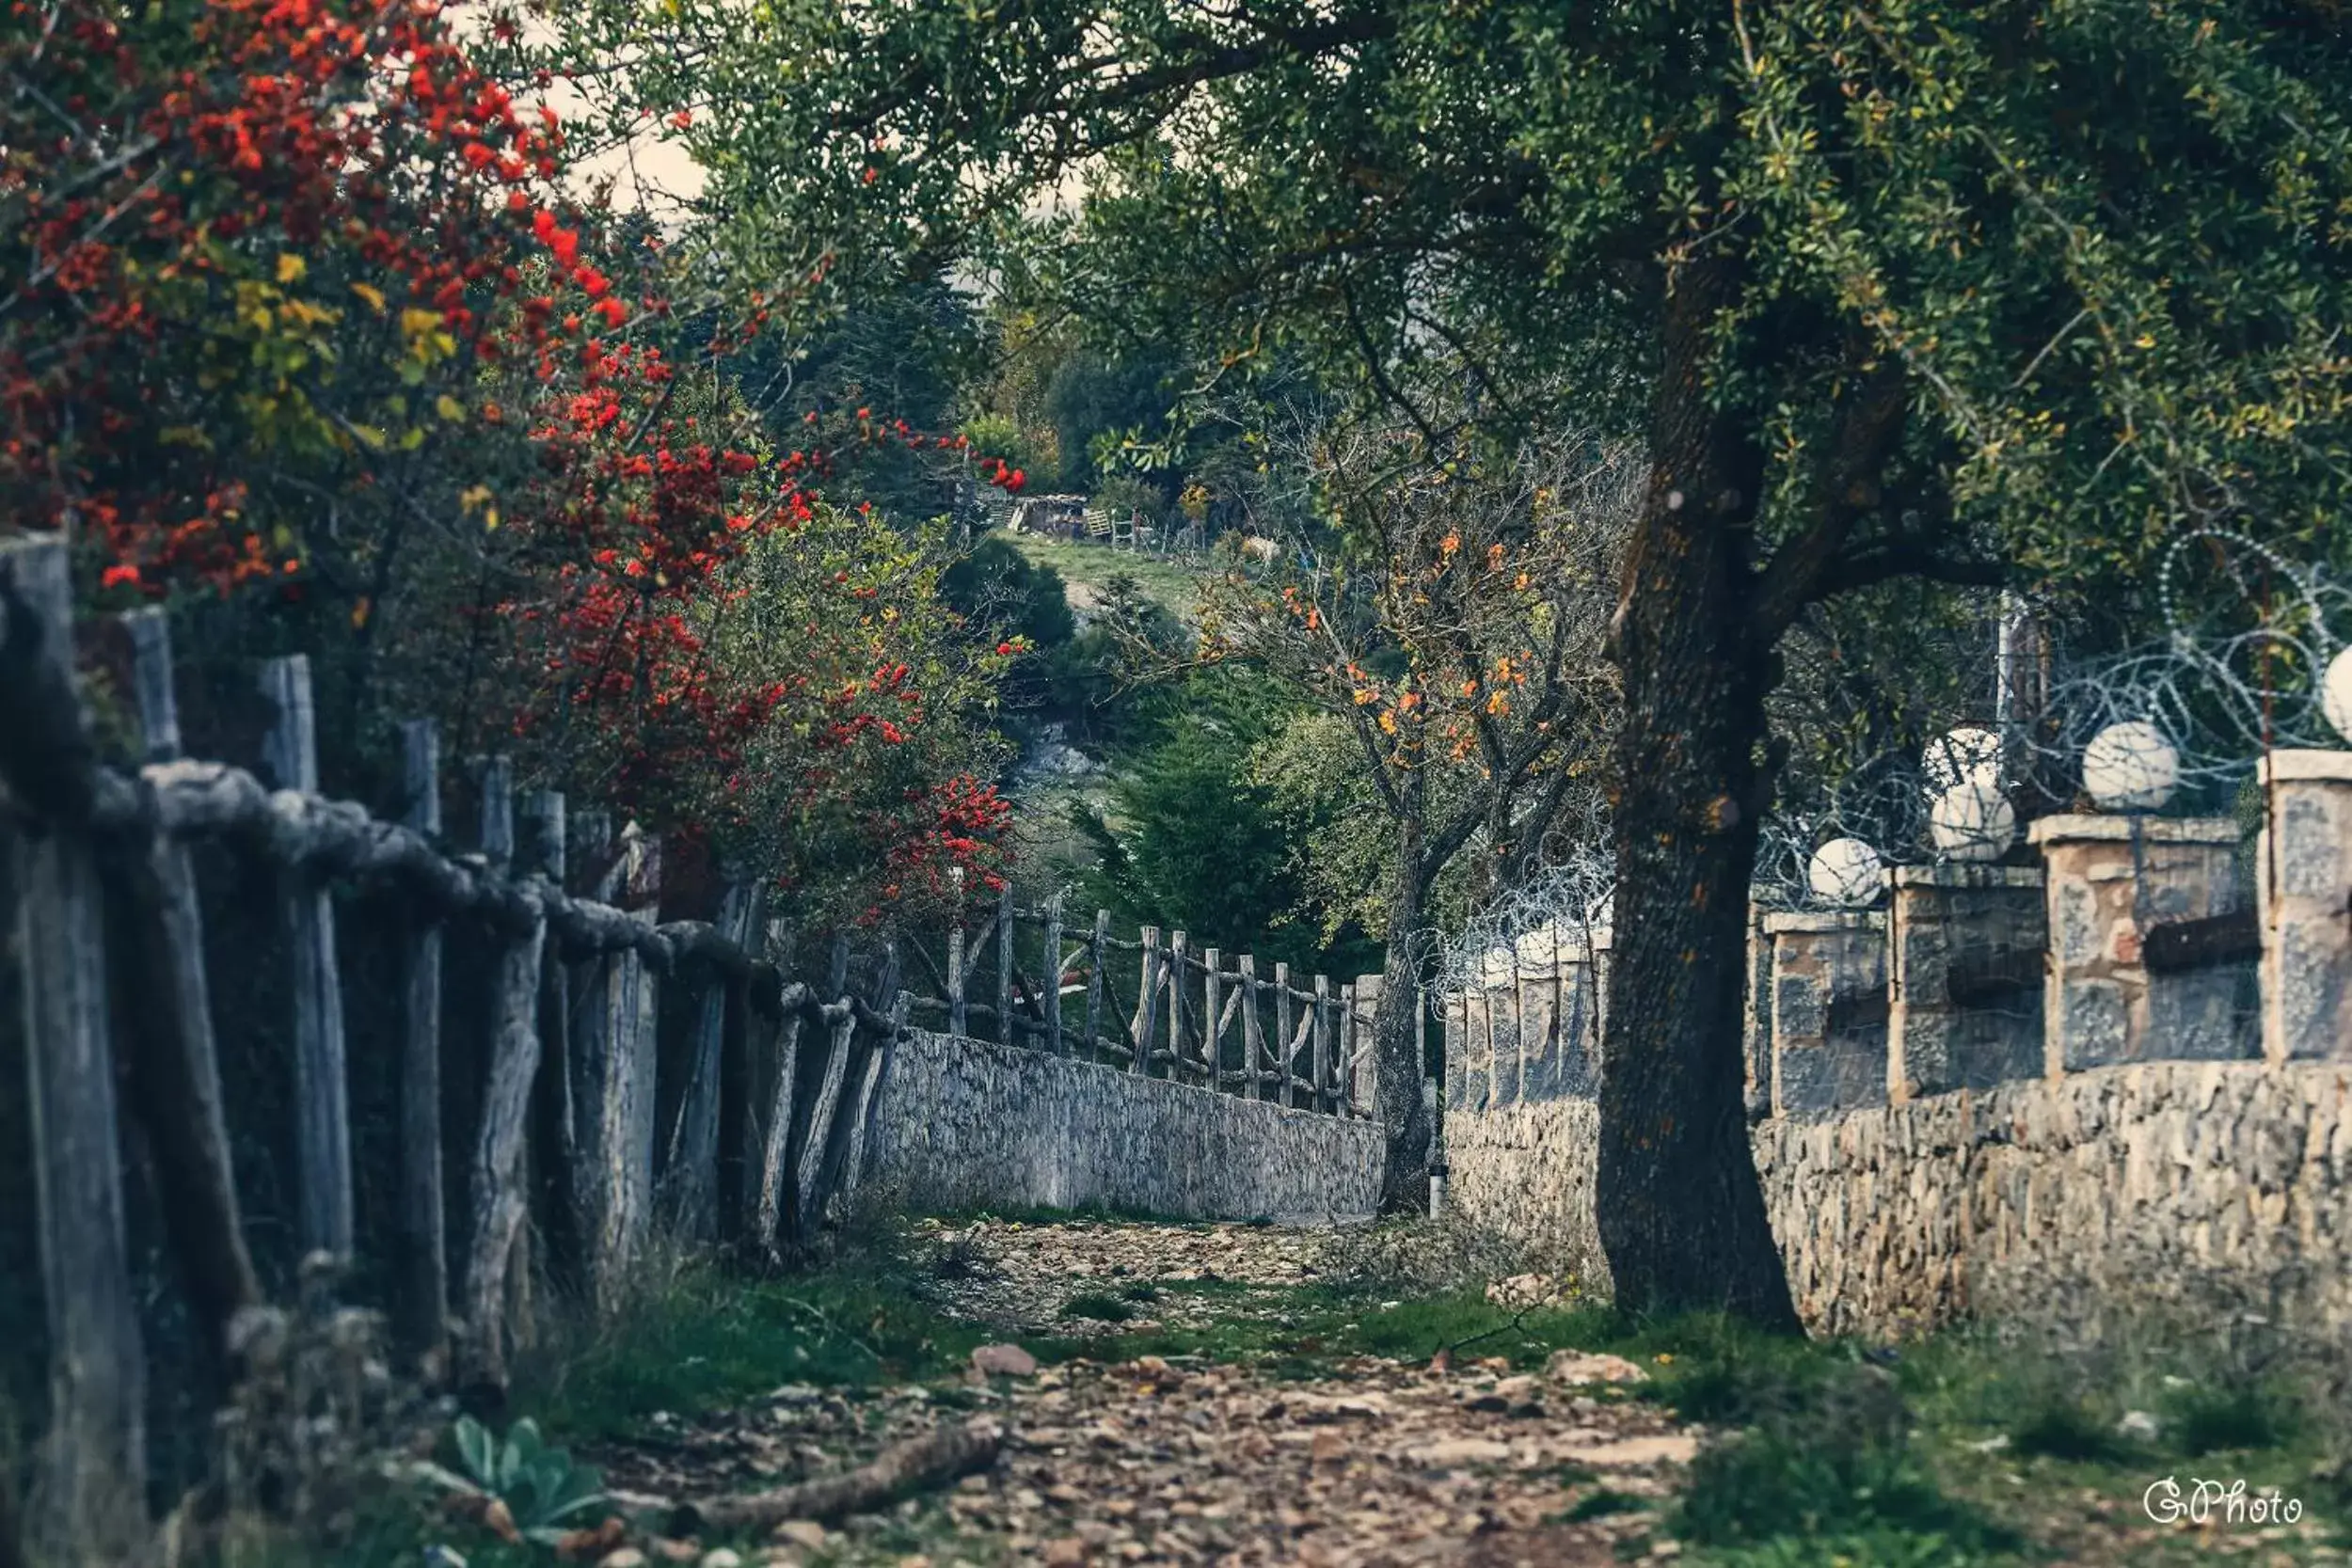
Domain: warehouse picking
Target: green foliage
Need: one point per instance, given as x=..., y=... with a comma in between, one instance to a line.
x=708, y=1339
x=998, y=588
x=1093, y=402
x=2060, y=1426
x=1192, y=843
x=1109, y=1309
x=1842, y=1462
x=2252, y=1413
x=541, y=1487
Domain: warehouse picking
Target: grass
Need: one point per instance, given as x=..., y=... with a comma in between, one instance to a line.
x=1960, y=1450
x=1173, y=583
x=710, y=1340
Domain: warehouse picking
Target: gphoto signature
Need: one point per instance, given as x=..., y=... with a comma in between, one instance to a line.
x=2217, y=1502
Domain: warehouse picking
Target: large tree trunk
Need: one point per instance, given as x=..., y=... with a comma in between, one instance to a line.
x=1398, y=1067
x=1681, y=1213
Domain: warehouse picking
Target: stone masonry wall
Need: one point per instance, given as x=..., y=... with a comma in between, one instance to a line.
x=966, y=1124
x=2030, y=1198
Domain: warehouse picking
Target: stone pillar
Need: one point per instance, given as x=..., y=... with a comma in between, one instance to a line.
x=1580, y=1024
x=1478, y=1057
x=1824, y=962
x=1756, y=1034
x=2303, y=876
x=2108, y=879
x=1965, y=966
x=1456, y=1041
x=1498, y=1002
x=1603, y=960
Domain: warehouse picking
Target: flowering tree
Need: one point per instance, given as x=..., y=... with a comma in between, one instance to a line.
x=299, y=303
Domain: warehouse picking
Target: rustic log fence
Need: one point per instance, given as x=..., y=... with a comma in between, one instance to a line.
x=1204, y=1018
x=558, y=1067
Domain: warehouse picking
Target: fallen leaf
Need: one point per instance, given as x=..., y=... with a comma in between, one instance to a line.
x=1571, y=1366
x=583, y=1546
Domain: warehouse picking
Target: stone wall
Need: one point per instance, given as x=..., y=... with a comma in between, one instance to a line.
x=2033, y=1198
x=966, y=1124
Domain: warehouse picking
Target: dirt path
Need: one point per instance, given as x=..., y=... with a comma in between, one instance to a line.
x=1194, y=1459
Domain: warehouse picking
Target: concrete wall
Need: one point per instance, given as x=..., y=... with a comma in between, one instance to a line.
x=2033, y=1198
x=966, y=1124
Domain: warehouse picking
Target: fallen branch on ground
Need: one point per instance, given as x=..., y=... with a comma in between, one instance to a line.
x=920, y=1464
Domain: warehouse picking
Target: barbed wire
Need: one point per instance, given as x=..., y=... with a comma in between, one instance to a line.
x=2183, y=719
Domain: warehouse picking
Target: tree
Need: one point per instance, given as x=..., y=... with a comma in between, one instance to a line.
x=1459, y=639
x=1929, y=288
x=303, y=317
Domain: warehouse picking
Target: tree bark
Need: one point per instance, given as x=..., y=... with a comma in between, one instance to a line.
x=1396, y=1045
x=1681, y=1213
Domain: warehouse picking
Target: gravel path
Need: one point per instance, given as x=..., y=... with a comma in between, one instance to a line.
x=1151, y=1460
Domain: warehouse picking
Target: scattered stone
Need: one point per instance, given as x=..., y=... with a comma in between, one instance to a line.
x=802, y=1532
x=2138, y=1426
x=1994, y=1444
x=676, y=1551
x=628, y=1557
x=722, y=1557
x=1004, y=1360
x=1460, y=1450
x=1526, y=1291
x=1577, y=1367
x=1666, y=1448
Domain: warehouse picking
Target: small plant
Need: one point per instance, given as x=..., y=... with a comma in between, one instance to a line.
x=2059, y=1427
x=529, y=1489
x=1603, y=1501
x=1143, y=1289
x=2249, y=1414
x=1109, y=1309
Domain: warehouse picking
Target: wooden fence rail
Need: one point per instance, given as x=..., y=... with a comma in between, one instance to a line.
x=780, y=1087
x=1196, y=1017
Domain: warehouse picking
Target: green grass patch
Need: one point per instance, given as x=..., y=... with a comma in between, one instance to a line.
x=1102, y=1308
x=1837, y=1460
x=1174, y=585
x=712, y=1340
x=2256, y=1414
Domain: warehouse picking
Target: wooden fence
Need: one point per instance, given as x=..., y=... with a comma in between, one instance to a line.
x=766, y=1092
x=1203, y=1017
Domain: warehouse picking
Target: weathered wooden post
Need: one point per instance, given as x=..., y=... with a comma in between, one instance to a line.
x=1098, y=949
x=498, y=1194
x=1252, y=1031
x=1282, y=1031
x=424, y=1298
x=616, y=1113
x=1053, y=977
x=1148, y=1001
x=322, y=1090
x=93, y=1461
x=775, y=1148
x=1179, y=955
x=1005, y=1030
x=692, y=1155
x=1357, y=1081
x=173, y=1080
x=1321, y=1058
x=542, y=849
x=955, y=1014
x=1342, y=1044
x=1212, y=1022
